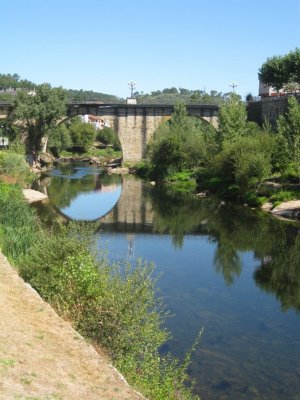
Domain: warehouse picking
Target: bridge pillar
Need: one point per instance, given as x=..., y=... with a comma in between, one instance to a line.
x=130, y=129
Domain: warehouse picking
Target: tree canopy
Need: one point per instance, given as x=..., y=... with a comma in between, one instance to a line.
x=37, y=113
x=279, y=71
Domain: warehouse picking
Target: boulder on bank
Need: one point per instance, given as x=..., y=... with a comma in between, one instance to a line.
x=288, y=209
x=118, y=170
x=33, y=195
x=46, y=160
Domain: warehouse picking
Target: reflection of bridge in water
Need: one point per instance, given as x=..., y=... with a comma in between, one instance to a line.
x=132, y=212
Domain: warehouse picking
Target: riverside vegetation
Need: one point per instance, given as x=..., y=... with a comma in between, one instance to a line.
x=116, y=306
x=236, y=162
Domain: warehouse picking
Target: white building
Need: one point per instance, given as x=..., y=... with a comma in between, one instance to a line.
x=97, y=122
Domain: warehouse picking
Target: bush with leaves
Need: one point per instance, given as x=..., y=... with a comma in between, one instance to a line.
x=14, y=165
x=183, y=142
x=82, y=135
x=60, y=139
x=116, y=305
x=109, y=137
x=288, y=130
x=232, y=119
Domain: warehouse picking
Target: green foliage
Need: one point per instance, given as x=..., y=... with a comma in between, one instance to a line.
x=186, y=96
x=17, y=147
x=291, y=172
x=82, y=136
x=17, y=222
x=288, y=127
x=144, y=169
x=90, y=95
x=274, y=73
x=14, y=165
x=60, y=139
x=39, y=112
x=252, y=199
x=284, y=195
x=279, y=71
x=183, y=142
x=240, y=166
x=13, y=81
x=7, y=129
x=115, y=305
x=172, y=212
x=232, y=119
x=252, y=161
x=109, y=137
x=183, y=181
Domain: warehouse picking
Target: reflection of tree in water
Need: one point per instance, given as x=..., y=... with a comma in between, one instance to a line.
x=228, y=262
x=275, y=244
x=280, y=274
x=176, y=214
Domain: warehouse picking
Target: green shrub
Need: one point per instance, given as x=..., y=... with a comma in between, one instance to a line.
x=252, y=199
x=291, y=172
x=109, y=137
x=115, y=305
x=18, y=222
x=284, y=195
x=143, y=169
x=14, y=165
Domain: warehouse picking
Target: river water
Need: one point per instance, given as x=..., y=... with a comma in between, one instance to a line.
x=231, y=270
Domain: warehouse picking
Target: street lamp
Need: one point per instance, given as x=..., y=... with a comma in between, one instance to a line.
x=132, y=86
x=233, y=85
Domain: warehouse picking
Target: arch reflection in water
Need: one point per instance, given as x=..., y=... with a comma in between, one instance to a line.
x=83, y=193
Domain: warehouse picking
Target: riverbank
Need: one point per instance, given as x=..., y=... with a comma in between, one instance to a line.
x=42, y=356
x=287, y=210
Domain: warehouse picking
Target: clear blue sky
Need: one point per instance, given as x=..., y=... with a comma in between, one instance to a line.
x=102, y=44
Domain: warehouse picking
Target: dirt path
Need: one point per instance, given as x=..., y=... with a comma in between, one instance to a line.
x=42, y=357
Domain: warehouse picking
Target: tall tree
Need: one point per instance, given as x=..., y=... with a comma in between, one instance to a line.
x=288, y=126
x=37, y=113
x=293, y=65
x=278, y=71
x=232, y=118
x=274, y=72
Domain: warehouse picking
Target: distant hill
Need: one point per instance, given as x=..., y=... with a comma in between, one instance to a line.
x=10, y=84
x=90, y=95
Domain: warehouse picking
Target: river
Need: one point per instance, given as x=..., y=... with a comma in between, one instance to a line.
x=231, y=270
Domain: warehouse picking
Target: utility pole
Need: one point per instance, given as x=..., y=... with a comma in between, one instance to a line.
x=132, y=87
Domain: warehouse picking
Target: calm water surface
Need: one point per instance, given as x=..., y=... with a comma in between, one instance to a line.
x=233, y=271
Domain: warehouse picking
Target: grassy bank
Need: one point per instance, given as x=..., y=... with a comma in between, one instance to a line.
x=116, y=306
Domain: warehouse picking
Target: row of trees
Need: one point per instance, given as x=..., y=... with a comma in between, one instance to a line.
x=236, y=158
x=39, y=120
x=13, y=81
x=78, y=137
x=90, y=95
x=282, y=71
x=187, y=96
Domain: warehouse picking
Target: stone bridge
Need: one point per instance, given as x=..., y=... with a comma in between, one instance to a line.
x=136, y=123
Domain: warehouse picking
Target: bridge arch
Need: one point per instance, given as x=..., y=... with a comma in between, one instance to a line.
x=136, y=123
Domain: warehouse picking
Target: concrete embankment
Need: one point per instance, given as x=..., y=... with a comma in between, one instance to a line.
x=43, y=357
